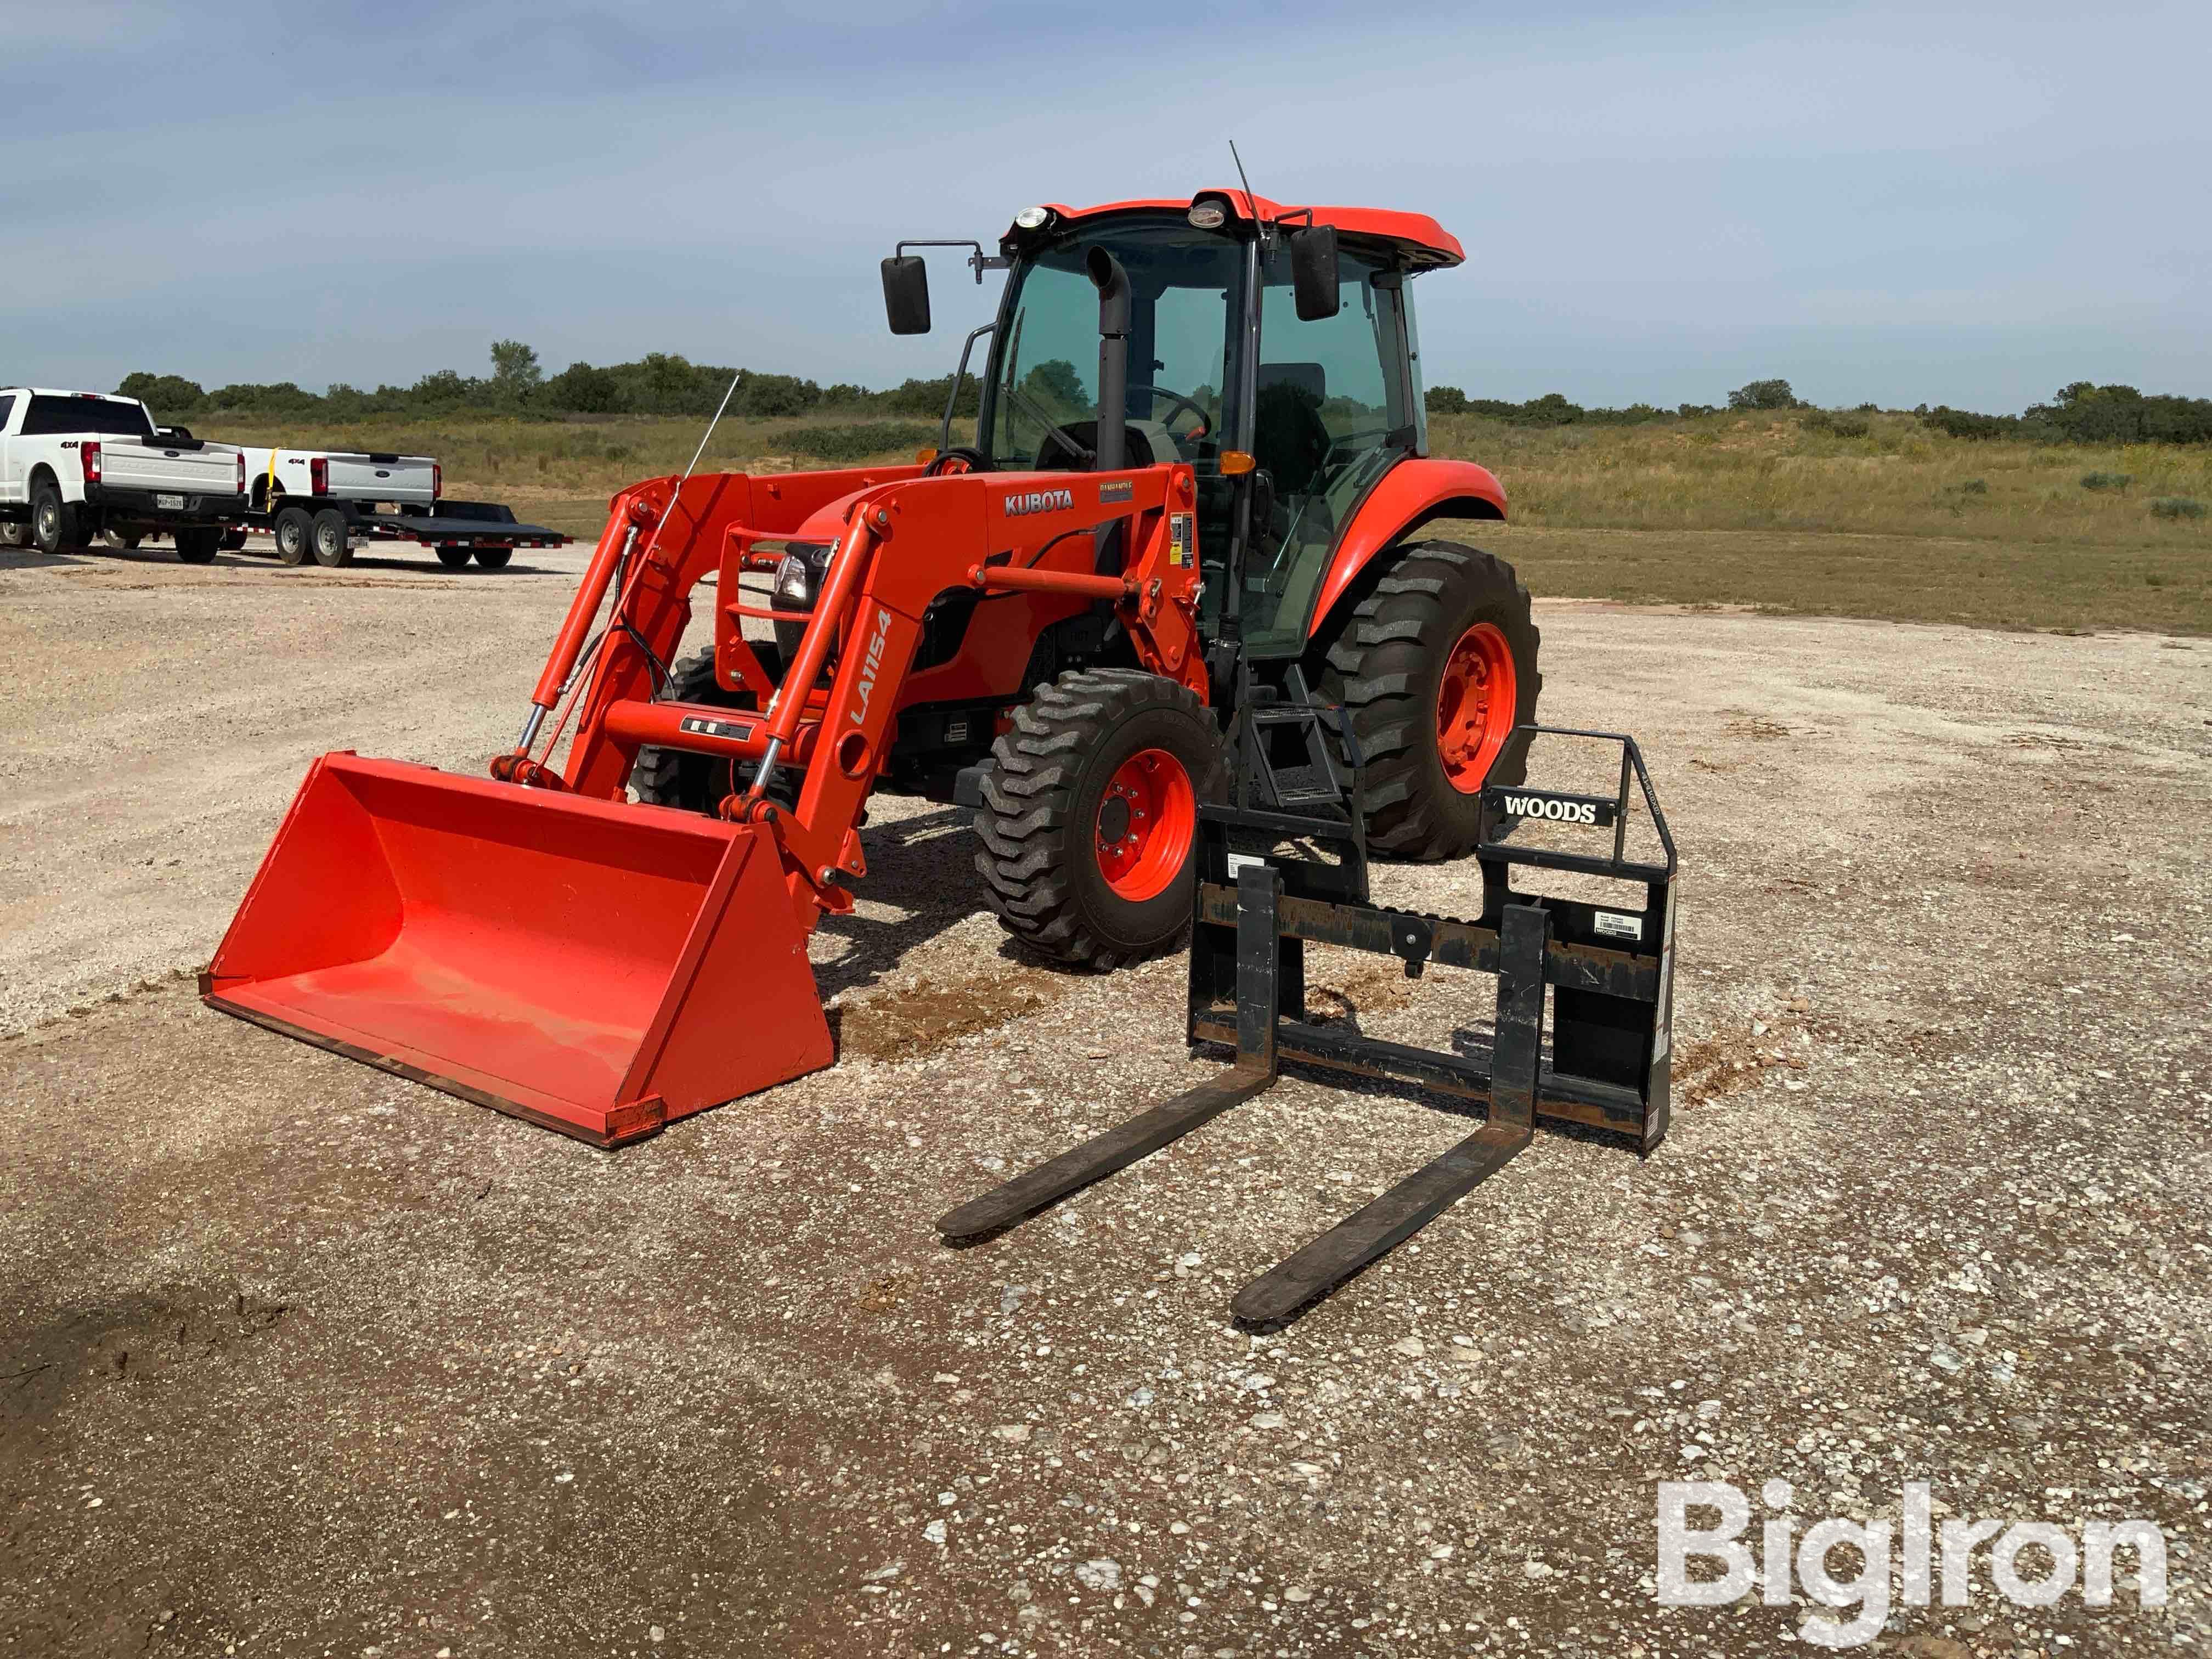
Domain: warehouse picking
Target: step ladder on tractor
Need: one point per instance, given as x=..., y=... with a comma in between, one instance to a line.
x=1143, y=592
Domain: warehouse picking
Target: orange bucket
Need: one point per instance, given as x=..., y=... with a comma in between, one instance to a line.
x=597, y=968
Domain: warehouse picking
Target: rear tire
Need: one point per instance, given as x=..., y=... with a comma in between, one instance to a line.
x=454, y=558
x=233, y=540
x=1088, y=820
x=332, y=538
x=1420, y=667
x=197, y=543
x=56, y=524
x=676, y=777
x=294, y=532
x=493, y=558
x=123, y=541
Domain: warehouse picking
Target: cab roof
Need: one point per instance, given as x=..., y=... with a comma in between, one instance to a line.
x=1426, y=243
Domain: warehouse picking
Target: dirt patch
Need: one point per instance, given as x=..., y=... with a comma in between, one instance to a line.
x=43, y=1364
x=926, y=1016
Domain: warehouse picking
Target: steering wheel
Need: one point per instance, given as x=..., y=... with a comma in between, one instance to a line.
x=1054, y=432
x=970, y=460
x=1204, y=420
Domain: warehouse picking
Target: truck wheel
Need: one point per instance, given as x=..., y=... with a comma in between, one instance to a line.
x=14, y=532
x=332, y=538
x=293, y=530
x=197, y=542
x=55, y=524
x=233, y=540
x=454, y=558
x=124, y=541
x=493, y=558
x=674, y=777
x=1436, y=666
x=1089, y=815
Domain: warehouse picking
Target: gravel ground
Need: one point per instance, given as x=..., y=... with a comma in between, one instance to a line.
x=296, y=1357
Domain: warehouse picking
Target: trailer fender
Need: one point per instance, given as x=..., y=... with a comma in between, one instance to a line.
x=1410, y=494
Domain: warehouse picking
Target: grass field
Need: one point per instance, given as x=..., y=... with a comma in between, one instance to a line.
x=1764, y=510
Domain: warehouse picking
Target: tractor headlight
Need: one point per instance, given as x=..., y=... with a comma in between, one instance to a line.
x=793, y=580
x=800, y=573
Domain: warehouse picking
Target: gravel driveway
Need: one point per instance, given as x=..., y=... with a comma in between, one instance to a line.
x=297, y=1358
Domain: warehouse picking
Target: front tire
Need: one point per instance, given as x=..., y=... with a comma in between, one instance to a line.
x=1088, y=820
x=1436, y=666
x=56, y=524
x=14, y=532
x=332, y=538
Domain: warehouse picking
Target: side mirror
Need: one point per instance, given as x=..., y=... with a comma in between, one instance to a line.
x=906, y=293
x=1313, y=272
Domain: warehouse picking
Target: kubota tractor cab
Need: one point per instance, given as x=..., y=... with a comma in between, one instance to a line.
x=1195, y=485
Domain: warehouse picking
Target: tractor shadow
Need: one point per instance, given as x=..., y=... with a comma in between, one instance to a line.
x=923, y=866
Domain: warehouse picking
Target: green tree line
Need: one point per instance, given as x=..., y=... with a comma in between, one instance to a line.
x=659, y=383
x=2081, y=413
x=667, y=383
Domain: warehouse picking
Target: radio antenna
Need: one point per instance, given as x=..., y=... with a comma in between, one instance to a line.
x=1250, y=206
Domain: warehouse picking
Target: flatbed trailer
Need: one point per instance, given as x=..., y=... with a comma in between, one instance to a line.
x=330, y=528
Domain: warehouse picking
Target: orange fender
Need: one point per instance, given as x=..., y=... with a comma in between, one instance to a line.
x=1410, y=493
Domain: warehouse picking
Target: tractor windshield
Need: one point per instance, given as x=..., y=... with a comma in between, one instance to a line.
x=1043, y=405
x=1339, y=404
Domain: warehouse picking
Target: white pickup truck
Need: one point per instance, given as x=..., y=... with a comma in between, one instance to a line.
x=324, y=502
x=77, y=465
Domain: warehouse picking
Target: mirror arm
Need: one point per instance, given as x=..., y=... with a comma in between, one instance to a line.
x=978, y=261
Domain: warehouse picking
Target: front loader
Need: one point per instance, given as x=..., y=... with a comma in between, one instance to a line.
x=1197, y=476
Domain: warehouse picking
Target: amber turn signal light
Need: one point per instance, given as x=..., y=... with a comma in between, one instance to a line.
x=1236, y=461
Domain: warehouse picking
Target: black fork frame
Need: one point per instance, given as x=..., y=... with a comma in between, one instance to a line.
x=1264, y=887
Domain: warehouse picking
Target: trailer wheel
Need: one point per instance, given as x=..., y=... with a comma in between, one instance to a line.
x=454, y=558
x=1437, y=666
x=295, y=529
x=493, y=558
x=332, y=538
x=675, y=777
x=124, y=541
x=56, y=524
x=1089, y=815
x=197, y=542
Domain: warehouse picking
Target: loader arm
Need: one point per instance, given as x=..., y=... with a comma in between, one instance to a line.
x=903, y=541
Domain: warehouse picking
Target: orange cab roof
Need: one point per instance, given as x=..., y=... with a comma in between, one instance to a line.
x=1414, y=231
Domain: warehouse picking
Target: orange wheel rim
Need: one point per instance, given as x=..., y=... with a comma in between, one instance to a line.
x=1476, y=701
x=1145, y=825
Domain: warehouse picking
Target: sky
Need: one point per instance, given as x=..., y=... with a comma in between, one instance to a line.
x=1893, y=203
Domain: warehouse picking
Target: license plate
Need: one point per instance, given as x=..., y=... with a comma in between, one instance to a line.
x=172, y=503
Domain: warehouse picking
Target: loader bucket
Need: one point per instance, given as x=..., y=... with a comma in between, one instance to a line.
x=597, y=968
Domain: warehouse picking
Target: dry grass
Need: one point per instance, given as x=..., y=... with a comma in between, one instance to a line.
x=1730, y=509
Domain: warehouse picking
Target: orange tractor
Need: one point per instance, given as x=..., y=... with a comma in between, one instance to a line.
x=1199, y=473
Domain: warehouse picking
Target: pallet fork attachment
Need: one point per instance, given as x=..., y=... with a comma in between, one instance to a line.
x=1260, y=898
